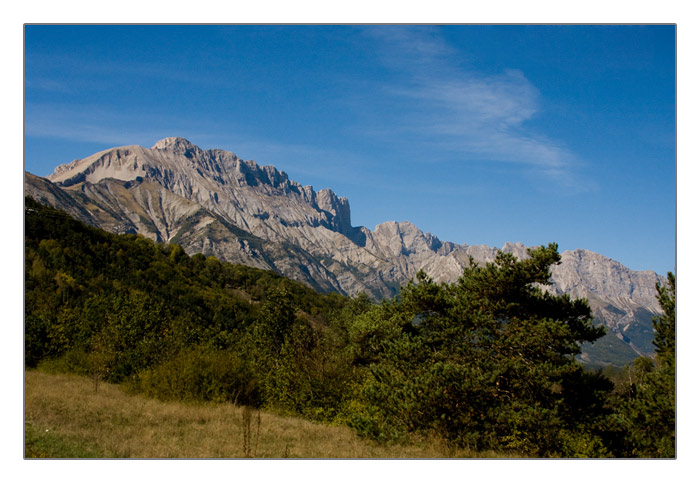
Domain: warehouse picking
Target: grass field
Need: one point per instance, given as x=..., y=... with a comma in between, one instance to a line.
x=66, y=418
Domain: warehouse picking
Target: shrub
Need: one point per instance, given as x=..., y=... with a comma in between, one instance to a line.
x=202, y=374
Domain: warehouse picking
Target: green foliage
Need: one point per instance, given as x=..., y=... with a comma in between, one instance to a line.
x=645, y=418
x=487, y=362
x=301, y=362
x=121, y=307
x=275, y=320
x=311, y=376
x=665, y=324
x=202, y=374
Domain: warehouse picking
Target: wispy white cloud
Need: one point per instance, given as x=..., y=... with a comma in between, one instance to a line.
x=450, y=107
x=48, y=84
x=114, y=127
x=95, y=124
x=96, y=74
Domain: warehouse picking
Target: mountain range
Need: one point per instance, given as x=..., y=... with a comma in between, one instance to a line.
x=213, y=202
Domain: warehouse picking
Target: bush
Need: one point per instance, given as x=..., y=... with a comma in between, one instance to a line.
x=202, y=374
x=74, y=361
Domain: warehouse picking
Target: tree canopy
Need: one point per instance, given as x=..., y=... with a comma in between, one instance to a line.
x=645, y=418
x=486, y=362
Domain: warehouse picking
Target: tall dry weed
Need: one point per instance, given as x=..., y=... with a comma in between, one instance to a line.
x=251, y=436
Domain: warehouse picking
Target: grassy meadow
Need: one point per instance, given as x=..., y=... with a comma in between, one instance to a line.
x=66, y=418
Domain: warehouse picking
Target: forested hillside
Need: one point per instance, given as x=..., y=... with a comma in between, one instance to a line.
x=485, y=363
x=212, y=202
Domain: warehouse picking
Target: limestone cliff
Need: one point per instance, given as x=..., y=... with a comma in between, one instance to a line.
x=213, y=202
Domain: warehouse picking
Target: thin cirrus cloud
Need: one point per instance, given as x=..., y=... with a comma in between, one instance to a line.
x=90, y=72
x=477, y=116
x=83, y=124
x=112, y=127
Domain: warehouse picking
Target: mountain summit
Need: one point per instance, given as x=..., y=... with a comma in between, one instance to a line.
x=174, y=143
x=213, y=202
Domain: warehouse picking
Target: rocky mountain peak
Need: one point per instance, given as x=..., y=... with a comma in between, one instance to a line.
x=253, y=193
x=338, y=207
x=518, y=249
x=212, y=202
x=174, y=144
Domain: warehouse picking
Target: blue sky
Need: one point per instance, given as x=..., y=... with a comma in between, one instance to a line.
x=478, y=134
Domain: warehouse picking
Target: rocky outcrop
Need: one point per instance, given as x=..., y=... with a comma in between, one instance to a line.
x=212, y=202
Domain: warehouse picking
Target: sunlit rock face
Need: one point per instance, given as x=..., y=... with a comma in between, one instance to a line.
x=213, y=202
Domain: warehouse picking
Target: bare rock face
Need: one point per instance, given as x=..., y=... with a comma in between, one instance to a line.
x=213, y=202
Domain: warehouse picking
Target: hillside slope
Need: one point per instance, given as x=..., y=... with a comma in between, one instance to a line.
x=212, y=202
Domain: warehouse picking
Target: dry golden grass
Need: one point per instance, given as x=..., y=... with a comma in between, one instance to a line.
x=114, y=424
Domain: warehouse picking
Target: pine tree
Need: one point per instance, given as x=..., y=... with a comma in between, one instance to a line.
x=646, y=413
x=665, y=324
x=487, y=362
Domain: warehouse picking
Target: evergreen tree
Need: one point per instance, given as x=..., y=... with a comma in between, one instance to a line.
x=487, y=362
x=665, y=324
x=646, y=414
